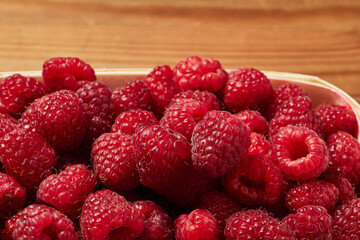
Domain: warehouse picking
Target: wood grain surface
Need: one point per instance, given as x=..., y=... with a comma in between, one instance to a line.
x=320, y=38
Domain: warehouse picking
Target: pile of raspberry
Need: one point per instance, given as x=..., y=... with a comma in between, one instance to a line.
x=190, y=152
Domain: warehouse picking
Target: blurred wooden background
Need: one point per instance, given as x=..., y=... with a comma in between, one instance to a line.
x=321, y=38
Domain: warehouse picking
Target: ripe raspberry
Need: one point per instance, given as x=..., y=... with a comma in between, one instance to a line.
x=98, y=108
x=158, y=224
x=256, y=224
x=254, y=181
x=246, y=89
x=135, y=94
x=162, y=88
x=7, y=124
x=64, y=73
x=310, y=222
x=12, y=196
x=197, y=73
x=67, y=190
x=197, y=225
x=59, y=117
x=220, y=140
x=211, y=101
x=347, y=221
x=344, y=151
x=27, y=157
x=346, y=190
x=114, y=161
x=336, y=118
x=300, y=153
x=318, y=192
x=9, y=227
x=42, y=222
x=161, y=154
x=128, y=121
x=107, y=215
x=183, y=116
x=220, y=205
x=259, y=144
x=17, y=92
x=254, y=121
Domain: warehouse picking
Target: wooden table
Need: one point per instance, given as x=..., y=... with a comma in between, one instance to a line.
x=313, y=37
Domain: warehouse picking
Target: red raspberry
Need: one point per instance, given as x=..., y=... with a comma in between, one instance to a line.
x=347, y=221
x=98, y=108
x=300, y=153
x=9, y=226
x=17, y=92
x=182, y=116
x=128, y=121
x=67, y=190
x=310, y=222
x=346, y=190
x=27, y=157
x=254, y=121
x=107, y=215
x=59, y=117
x=197, y=73
x=42, y=222
x=158, y=224
x=160, y=82
x=12, y=196
x=114, y=161
x=64, y=73
x=197, y=225
x=220, y=205
x=344, y=151
x=161, y=154
x=220, y=140
x=135, y=94
x=337, y=118
x=259, y=144
x=246, y=88
x=7, y=124
x=318, y=192
x=211, y=101
x=255, y=180
x=256, y=224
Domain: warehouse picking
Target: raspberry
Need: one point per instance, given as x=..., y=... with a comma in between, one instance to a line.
x=259, y=144
x=135, y=94
x=310, y=222
x=344, y=151
x=9, y=226
x=128, y=121
x=220, y=205
x=67, y=190
x=59, y=117
x=114, y=161
x=182, y=116
x=254, y=121
x=7, y=124
x=17, y=92
x=347, y=221
x=256, y=224
x=42, y=222
x=336, y=118
x=107, y=215
x=12, y=195
x=98, y=108
x=318, y=192
x=27, y=157
x=158, y=224
x=64, y=73
x=255, y=180
x=197, y=225
x=346, y=190
x=300, y=153
x=220, y=140
x=197, y=73
x=211, y=101
x=246, y=89
x=161, y=86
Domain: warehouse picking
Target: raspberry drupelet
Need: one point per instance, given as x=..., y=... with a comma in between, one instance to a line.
x=7, y=124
